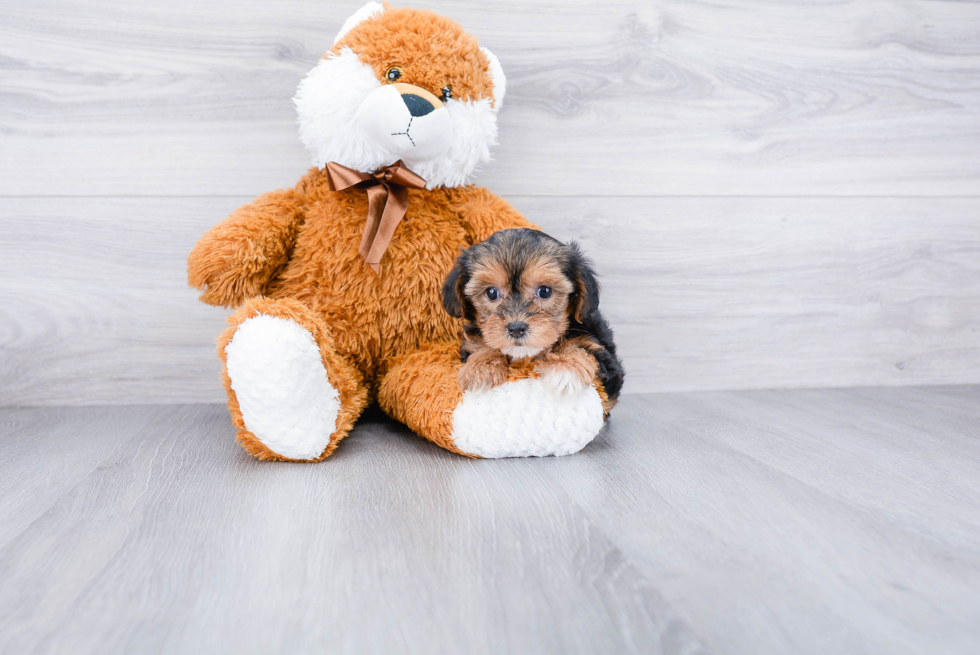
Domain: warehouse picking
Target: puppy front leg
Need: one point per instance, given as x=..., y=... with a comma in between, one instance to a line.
x=567, y=369
x=483, y=369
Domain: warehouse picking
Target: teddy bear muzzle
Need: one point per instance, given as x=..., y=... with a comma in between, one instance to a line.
x=407, y=120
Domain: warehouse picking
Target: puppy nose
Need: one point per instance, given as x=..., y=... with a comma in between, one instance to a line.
x=516, y=330
x=417, y=105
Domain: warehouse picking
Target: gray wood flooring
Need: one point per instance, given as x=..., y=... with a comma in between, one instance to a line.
x=748, y=522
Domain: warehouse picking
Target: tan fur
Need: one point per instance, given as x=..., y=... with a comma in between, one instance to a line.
x=484, y=368
x=485, y=274
x=546, y=325
x=570, y=358
x=545, y=271
x=421, y=390
x=404, y=37
x=235, y=259
x=589, y=345
x=607, y=403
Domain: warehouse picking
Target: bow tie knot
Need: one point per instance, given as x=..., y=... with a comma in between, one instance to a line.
x=387, y=190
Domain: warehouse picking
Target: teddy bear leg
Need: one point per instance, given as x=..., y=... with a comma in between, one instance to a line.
x=291, y=395
x=519, y=418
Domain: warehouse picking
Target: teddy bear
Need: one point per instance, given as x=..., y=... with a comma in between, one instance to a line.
x=336, y=281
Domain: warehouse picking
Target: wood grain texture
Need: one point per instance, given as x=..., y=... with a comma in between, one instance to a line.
x=826, y=521
x=622, y=97
x=715, y=293
x=179, y=542
x=756, y=522
x=702, y=292
x=765, y=186
x=94, y=302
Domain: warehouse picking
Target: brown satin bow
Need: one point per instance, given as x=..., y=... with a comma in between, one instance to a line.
x=387, y=191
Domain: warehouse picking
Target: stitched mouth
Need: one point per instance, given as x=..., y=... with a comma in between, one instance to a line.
x=406, y=132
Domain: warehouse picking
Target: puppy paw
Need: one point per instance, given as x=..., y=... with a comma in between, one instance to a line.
x=559, y=382
x=482, y=371
x=569, y=373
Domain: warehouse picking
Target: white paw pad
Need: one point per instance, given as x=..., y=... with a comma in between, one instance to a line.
x=282, y=387
x=525, y=419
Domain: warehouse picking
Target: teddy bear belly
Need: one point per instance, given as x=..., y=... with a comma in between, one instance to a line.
x=375, y=317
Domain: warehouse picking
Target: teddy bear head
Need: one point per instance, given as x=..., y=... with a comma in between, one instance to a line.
x=403, y=84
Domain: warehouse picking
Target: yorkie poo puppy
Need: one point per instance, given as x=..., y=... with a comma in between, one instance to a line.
x=526, y=296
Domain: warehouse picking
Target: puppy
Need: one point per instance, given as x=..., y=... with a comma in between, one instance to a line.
x=526, y=296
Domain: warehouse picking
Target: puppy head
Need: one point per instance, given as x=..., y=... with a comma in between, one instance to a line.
x=403, y=84
x=522, y=289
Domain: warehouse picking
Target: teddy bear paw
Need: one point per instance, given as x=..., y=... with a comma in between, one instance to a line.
x=524, y=418
x=281, y=386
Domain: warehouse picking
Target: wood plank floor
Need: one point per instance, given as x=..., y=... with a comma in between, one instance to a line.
x=804, y=521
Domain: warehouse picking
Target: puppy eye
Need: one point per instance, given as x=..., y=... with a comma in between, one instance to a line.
x=447, y=93
x=393, y=74
x=492, y=293
x=544, y=292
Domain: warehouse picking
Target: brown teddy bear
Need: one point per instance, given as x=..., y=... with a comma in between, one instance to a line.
x=337, y=280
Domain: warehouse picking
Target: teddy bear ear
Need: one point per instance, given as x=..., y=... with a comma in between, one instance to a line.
x=370, y=10
x=498, y=78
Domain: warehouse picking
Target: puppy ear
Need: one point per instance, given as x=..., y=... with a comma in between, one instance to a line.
x=453, y=298
x=370, y=10
x=498, y=78
x=585, y=302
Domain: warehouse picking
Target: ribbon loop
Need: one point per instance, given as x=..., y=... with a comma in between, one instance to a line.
x=387, y=191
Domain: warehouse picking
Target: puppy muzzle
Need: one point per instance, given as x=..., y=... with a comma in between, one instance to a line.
x=517, y=335
x=409, y=121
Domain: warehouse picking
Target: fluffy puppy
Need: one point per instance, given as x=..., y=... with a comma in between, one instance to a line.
x=524, y=295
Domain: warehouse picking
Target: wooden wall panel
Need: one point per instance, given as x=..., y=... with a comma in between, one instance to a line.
x=747, y=97
x=94, y=303
x=704, y=293
x=715, y=293
x=777, y=194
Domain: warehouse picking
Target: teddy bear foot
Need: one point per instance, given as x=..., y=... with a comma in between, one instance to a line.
x=525, y=418
x=286, y=401
x=519, y=418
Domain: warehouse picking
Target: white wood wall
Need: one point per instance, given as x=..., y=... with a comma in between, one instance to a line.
x=778, y=193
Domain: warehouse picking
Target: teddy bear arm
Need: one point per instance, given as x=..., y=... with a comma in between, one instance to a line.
x=235, y=259
x=484, y=213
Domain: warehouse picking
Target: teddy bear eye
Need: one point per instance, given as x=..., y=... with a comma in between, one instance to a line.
x=544, y=292
x=393, y=74
x=492, y=293
x=447, y=93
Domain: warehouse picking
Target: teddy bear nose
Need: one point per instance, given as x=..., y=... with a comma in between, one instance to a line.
x=516, y=330
x=417, y=105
